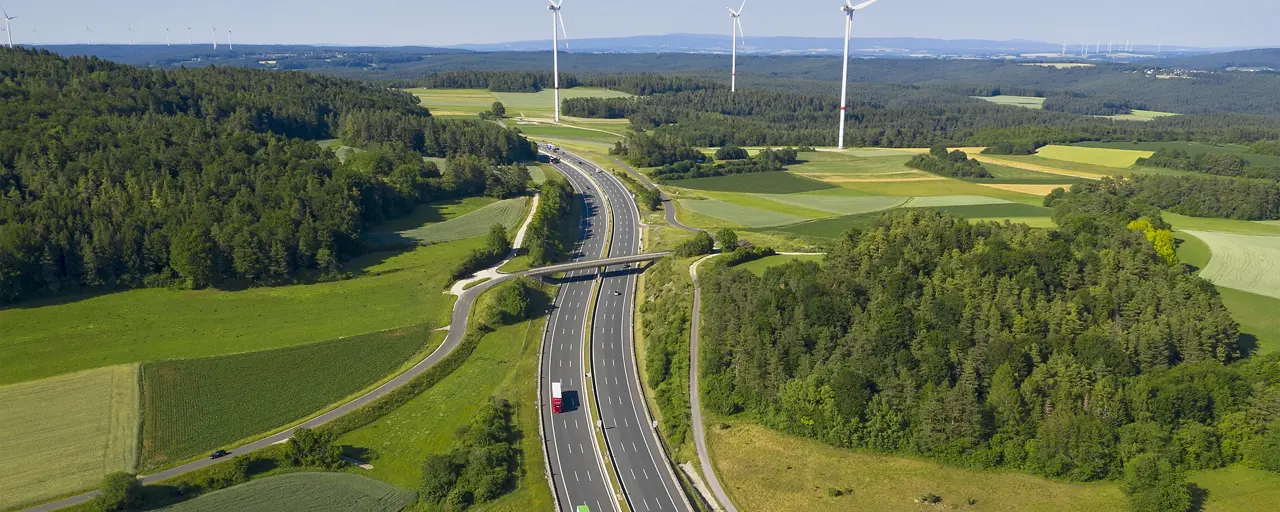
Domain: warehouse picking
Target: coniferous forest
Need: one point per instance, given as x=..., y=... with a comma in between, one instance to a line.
x=1081, y=353
x=113, y=176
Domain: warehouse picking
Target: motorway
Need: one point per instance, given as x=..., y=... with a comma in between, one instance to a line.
x=647, y=480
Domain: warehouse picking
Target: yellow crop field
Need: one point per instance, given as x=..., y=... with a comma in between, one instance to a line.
x=1121, y=158
x=62, y=434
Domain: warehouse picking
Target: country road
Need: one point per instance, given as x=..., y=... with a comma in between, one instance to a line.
x=695, y=397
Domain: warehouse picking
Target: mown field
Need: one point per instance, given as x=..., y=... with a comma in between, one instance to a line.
x=504, y=364
x=1259, y=325
x=62, y=434
x=1248, y=263
x=510, y=213
x=766, y=470
x=1141, y=115
x=393, y=289
x=191, y=406
x=1120, y=158
x=1192, y=148
x=312, y=492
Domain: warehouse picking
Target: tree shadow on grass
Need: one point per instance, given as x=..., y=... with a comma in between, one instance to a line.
x=1199, y=496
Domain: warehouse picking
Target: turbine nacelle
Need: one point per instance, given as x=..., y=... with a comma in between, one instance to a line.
x=554, y=6
x=849, y=7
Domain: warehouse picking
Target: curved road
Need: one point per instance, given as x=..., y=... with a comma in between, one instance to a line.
x=668, y=206
x=695, y=398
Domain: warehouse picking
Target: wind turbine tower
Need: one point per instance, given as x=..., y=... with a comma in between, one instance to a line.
x=188, y=35
x=848, y=9
x=7, y=30
x=166, y=37
x=733, y=41
x=130, y=35
x=557, y=28
x=88, y=34
x=229, y=46
x=215, y=37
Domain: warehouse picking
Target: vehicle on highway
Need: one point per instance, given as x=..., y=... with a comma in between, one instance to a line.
x=219, y=454
x=557, y=399
x=616, y=292
x=583, y=508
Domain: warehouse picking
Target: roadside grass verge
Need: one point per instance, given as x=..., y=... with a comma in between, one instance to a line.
x=509, y=213
x=194, y=405
x=503, y=363
x=393, y=289
x=62, y=434
x=313, y=492
x=765, y=470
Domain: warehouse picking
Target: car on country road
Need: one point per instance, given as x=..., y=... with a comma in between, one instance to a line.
x=219, y=454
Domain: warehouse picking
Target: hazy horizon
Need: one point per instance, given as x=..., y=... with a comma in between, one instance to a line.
x=436, y=23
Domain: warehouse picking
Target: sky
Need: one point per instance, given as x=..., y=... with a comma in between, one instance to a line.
x=1213, y=23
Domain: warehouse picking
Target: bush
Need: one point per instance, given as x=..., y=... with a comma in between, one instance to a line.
x=120, y=491
x=731, y=153
x=1154, y=485
x=728, y=239
x=482, y=466
x=507, y=304
x=698, y=245
x=955, y=164
x=495, y=250
x=931, y=498
x=313, y=448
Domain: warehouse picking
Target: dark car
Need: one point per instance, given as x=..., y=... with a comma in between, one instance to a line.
x=219, y=454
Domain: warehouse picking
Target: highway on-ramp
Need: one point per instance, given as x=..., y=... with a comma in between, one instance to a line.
x=647, y=480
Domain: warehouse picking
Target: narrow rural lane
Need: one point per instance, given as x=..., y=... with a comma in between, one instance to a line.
x=695, y=398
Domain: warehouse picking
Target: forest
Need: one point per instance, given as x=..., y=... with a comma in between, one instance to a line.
x=1078, y=353
x=1218, y=164
x=1195, y=196
x=114, y=177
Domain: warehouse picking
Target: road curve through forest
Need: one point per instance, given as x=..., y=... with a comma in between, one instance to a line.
x=695, y=398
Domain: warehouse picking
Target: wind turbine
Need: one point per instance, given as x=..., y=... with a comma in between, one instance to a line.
x=557, y=21
x=733, y=41
x=188, y=35
x=229, y=46
x=215, y=37
x=89, y=34
x=166, y=37
x=130, y=35
x=848, y=9
x=8, y=31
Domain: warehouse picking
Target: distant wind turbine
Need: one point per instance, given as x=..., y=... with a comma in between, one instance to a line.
x=733, y=41
x=848, y=9
x=1064, y=47
x=8, y=31
x=189, y=35
x=557, y=22
x=215, y=37
x=229, y=46
x=130, y=35
x=89, y=34
x=1109, y=47
x=166, y=37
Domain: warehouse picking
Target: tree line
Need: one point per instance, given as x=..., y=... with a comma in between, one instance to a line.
x=545, y=236
x=639, y=84
x=1078, y=353
x=113, y=176
x=481, y=466
x=1218, y=164
x=1195, y=196
x=768, y=160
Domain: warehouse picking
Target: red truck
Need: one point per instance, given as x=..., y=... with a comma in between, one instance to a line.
x=557, y=400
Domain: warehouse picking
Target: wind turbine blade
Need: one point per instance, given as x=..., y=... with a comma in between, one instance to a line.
x=864, y=4
x=740, y=33
x=563, y=34
x=5, y=13
x=744, y=4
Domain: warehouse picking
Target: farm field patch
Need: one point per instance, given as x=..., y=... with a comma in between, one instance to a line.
x=1141, y=115
x=510, y=213
x=542, y=131
x=1120, y=158
x=829, y=163
x=1243, y=227
x=454, y=101
x=313, y=492
x=757, y=182
x=1033, y=216
x=763, y=202
x=1005, y=174
x=1051, y=166
x=62, y=434
x=195, y=405
x=758, y=267
x=840, y=205
x=939, y=187
x=1248, y=263
x=1191, y=148
x=936, y=201
x=742, y=215
x=542, y=103
x=1256, y=315
x=1017, y=101
x=394, y=289
x=1033, y=190
x=766, y=470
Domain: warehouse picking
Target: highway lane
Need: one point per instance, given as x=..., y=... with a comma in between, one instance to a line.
x=578, y=473
x=646, y=477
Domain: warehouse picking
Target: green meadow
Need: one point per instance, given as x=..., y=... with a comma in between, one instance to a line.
x=1016, y=101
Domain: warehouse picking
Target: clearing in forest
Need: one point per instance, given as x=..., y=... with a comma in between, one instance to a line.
x=62, y=434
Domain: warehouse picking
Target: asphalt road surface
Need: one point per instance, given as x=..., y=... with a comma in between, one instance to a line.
x=695, y=397
x=647, y=479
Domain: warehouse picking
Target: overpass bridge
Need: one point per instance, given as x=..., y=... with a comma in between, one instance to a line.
x=590, y=264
